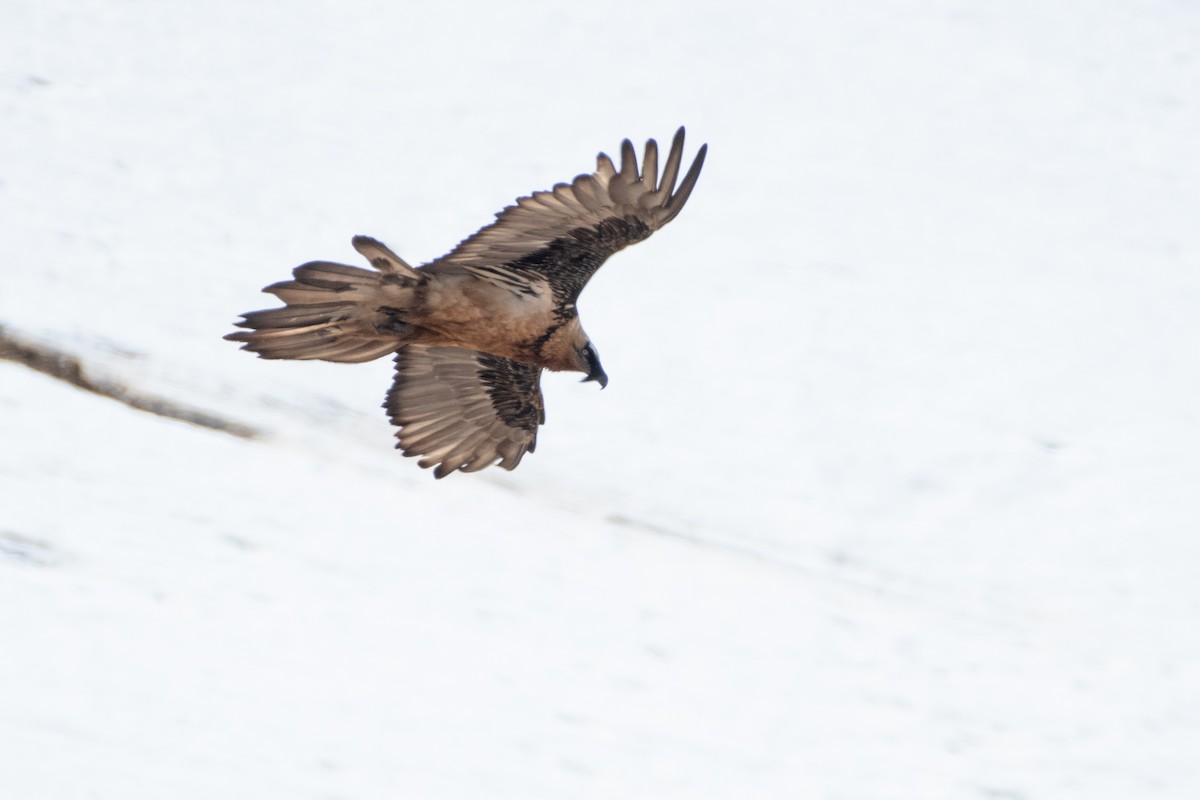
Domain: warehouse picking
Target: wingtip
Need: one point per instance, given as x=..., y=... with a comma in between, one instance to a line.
x=678, y=195
x=604, y=166
x=629, y=165
x=681, y=135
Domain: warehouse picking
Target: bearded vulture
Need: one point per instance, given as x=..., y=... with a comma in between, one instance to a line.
x=473, y=330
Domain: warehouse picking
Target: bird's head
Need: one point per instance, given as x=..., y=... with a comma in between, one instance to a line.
x=568, y=348
x=589, y=362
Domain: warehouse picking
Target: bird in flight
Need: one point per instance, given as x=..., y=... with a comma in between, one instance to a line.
x=473, y=330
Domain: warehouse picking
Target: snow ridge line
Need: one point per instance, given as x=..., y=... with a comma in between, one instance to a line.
x=60, y=364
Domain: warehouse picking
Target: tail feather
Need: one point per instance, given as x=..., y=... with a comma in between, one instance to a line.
x=330, y=315
x=296, y=316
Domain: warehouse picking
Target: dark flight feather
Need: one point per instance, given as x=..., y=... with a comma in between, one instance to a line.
x=461, y=409
x=564, y=235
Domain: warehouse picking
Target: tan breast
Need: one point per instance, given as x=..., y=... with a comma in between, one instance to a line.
x=465, y=311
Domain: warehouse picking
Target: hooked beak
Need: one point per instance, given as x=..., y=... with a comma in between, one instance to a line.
x=597, y=375
x=595, y=371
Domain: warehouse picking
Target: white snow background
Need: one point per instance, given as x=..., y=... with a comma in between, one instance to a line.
x=893, y=493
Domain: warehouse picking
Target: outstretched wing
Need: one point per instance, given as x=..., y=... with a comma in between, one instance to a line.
x=565, y=234
x=462, y=409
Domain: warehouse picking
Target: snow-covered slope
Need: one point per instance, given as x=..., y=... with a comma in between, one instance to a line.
x=892, y=494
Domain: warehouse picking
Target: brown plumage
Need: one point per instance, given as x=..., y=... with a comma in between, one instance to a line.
x=473, y=330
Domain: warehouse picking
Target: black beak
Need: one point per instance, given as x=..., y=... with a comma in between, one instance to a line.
x=597, y=374
x=595, y=371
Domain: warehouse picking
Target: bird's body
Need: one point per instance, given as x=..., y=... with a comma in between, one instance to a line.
x=457, y=306
x=473, y=330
